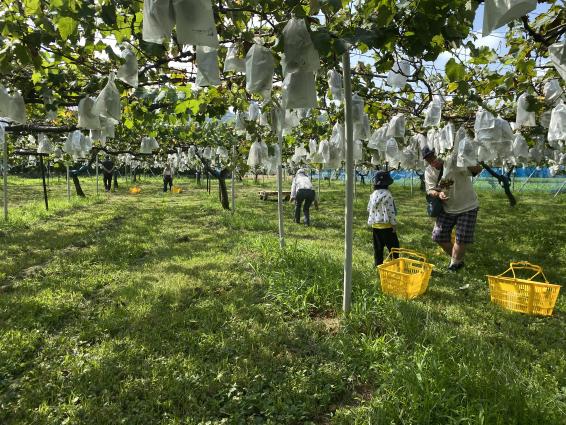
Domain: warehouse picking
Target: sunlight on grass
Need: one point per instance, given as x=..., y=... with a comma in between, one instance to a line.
x=163, y=308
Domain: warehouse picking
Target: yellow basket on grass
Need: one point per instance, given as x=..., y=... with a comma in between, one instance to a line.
x=406, y=276
x=135, y=190
x=523, y=295
x=177, y=189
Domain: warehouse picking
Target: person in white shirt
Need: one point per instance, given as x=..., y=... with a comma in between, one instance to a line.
x=382, y=216
x=167, y=177
x=302, y=191
x=459, y=204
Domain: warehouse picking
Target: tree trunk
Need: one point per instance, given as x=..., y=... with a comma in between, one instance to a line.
x=504, y=181
x=115, y=179
x=223, y=189
x=77, y=184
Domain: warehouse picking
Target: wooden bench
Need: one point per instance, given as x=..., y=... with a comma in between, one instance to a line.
x=265, y=194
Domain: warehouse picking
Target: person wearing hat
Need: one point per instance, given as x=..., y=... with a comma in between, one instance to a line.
x=382, y=216
x=460, y=205
x=302, y=191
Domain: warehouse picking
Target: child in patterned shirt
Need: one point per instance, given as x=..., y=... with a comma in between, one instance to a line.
x=382, y=216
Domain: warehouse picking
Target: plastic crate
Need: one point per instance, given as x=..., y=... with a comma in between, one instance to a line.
x=523, y=295
x=406, y=276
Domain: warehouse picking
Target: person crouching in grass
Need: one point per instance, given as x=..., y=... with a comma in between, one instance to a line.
x=382, y=216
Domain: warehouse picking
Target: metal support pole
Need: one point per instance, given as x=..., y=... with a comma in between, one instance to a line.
x=559, y=190
x=355, y=179
x=319, y=176
x=349, y=213
x=233, y=184
x=526, y=181
x=411, y=182
x=68, y=184
x=96, y=173
x=5, y=173
x=43, y=179
x=280, y=190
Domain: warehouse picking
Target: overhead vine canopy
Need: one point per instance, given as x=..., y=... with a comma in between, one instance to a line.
x=57, y=52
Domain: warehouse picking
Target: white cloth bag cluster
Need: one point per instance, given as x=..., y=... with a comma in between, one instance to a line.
x=77, y=144
x=208, y=73
x=259, y=70
x=148, y=145
x=301, y=62
x=397, y=77
x=12, y=106
x=107, y=104
x=194, y=20
x=500, y=12
x=128, y=72
x=233, y=61
x=335, y=85
x=557, y=127
x=433, y=112
x=524, y=117
x=43, y=144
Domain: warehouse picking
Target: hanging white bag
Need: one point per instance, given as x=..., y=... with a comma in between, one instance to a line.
x=222, y=152
x=524, y=117
x=300, y=90
x=128, y=72
x=300, y=53
x=557, y=126
x=392, y=151
x=335, y=84
x=433, y=112
x=43, y=144
x=446, y=137
x=87, y=119
x=396, y=127
x=357, y=108
x=12, y=106
x=240, y=124
x=467, y=153
x=375, y=158
x=361, y=129
x=313, y=147
x=520, y=147
x=207, y=67
x=259, y=70
x=158, y=19
x=253, y=111
x=195, y=24
x=397, y=76
x=500, y=12
x=557, y=55
x=358, y=151
x=233, y=61
x=324, y=151
x=552, y=92
x=107, y=104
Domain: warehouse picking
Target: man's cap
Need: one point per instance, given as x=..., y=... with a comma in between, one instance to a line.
x=382, y=178
x=427, y=152
x=302, y=171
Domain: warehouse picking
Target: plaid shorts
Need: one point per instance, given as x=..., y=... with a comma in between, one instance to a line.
x=465, y=225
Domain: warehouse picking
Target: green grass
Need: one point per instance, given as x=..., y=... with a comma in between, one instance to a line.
x=163, y=309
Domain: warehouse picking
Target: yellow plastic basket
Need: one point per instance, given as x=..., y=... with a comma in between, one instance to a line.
x=135, y=190
x=177, y=189
x=523, y=295
x=406, y=276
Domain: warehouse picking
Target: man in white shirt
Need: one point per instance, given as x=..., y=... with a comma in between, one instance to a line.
x=302, y=191
x=459, y=203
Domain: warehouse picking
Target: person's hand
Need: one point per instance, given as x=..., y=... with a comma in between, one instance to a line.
x=442, y=196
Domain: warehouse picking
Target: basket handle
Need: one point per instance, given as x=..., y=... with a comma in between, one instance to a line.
x=406, y=253
x=525, y=265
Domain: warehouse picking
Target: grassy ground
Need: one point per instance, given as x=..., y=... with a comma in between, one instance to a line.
x=164, y=309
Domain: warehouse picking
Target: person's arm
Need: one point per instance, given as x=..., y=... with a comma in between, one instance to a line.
x=390, y=205
x=431, y=182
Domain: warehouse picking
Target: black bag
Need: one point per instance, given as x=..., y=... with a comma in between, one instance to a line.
x=433, y=206
x=433, y=203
